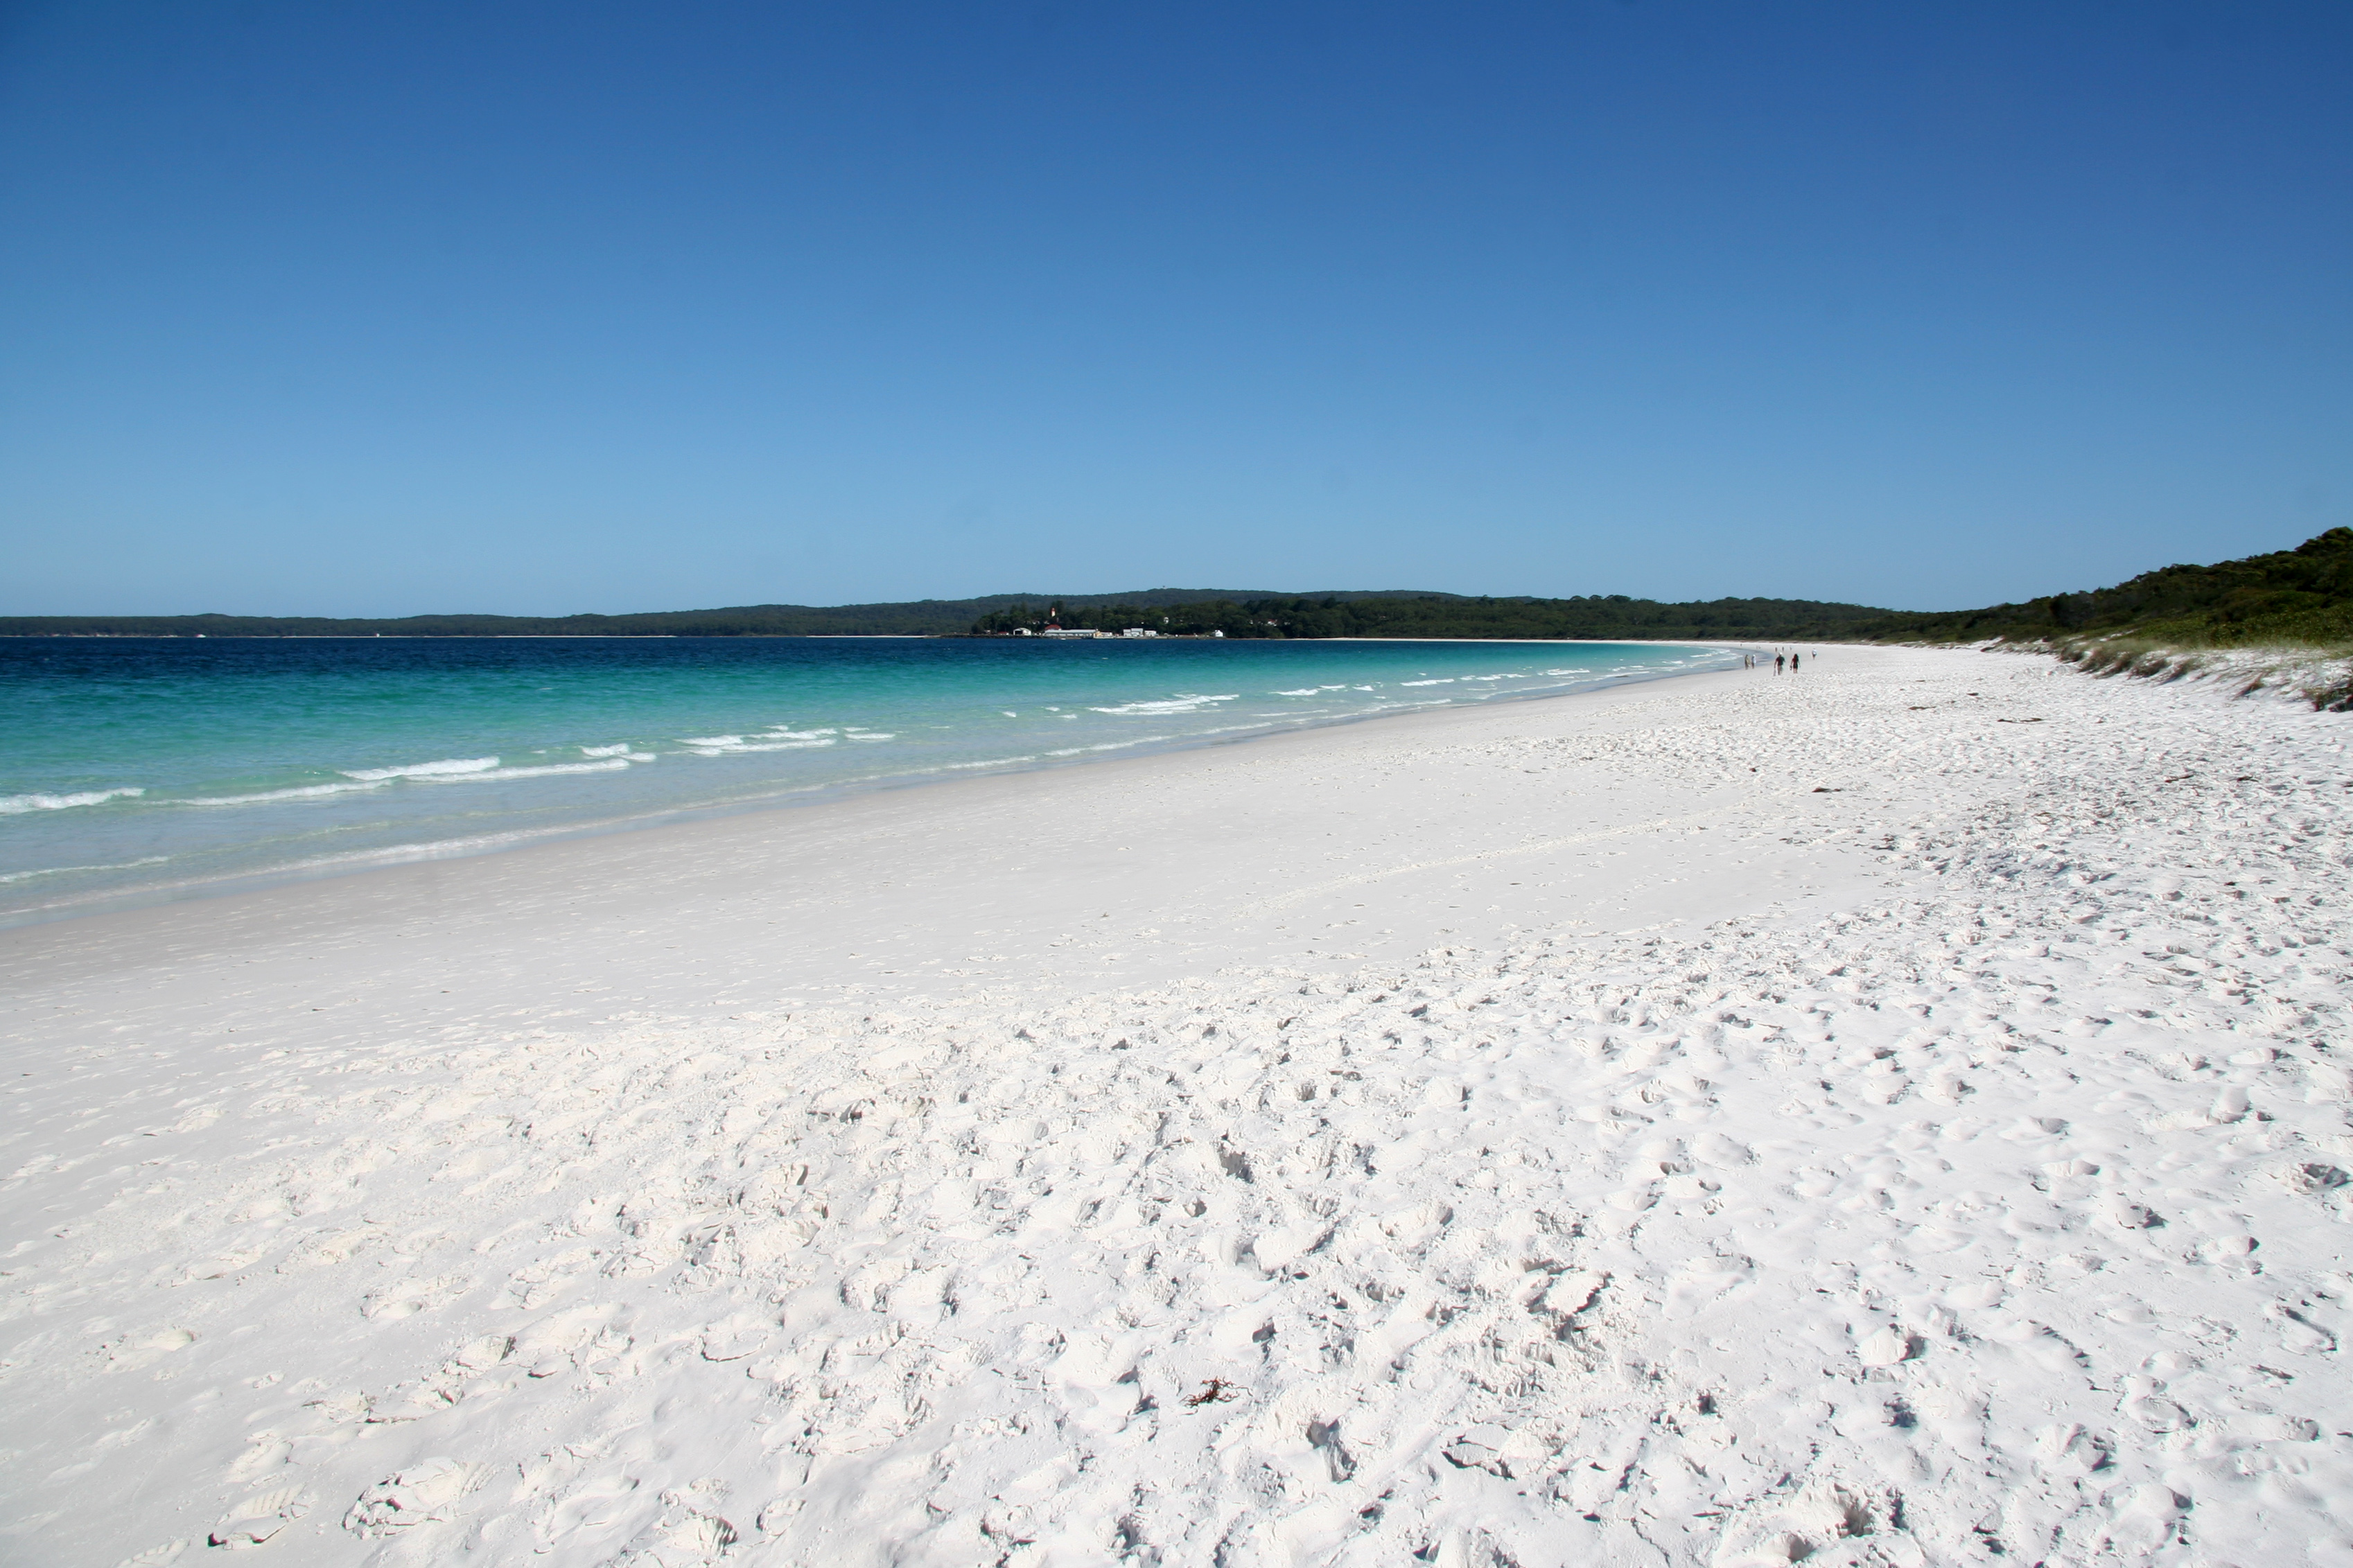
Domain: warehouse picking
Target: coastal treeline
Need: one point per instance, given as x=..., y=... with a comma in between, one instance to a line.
x=1171, y=610
x=1611, y=618
x=2303, y=596
x=921, y=617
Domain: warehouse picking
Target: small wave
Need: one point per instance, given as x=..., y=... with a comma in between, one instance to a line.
x=1447, y=681
x=1302, y=691
x=297, y=792
x=779, y=739
x=1110, y=746
x=743, y=748
x=61, y=871
x=608, y=766
x=992, y=762
x=1185, y=702
x=424, y=770
x=624, y=749
x=869, y=736
x=13, y=804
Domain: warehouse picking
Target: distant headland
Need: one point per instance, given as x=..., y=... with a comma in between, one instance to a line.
x=2303, y=596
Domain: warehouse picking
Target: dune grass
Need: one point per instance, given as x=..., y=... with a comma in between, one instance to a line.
x=2319, y=672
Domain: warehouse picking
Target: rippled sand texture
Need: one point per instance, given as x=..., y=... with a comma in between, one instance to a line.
x=1989, y=1205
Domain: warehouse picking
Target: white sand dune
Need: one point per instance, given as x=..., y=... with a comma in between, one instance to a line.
x=1897, y=1114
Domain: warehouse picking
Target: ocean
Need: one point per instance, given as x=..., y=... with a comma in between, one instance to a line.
x=148, y=769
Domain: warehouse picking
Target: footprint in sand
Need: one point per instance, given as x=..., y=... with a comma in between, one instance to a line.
x=480, y=1355
x=535, y=1285
x=551, y=1345
x=265, y=1452
x=155, y=1556
x=410, y=1297
x=1279, y=1249
x=2145, y=1519
x=427, y=1491
x=735, y=1336
x=259, y=1517
x=592, y=1508
x=1418, y=1226
x=2070, y=1450
x=146, y=1350
x=325, y=1251
x=681, y=1540
x=1797, y=1528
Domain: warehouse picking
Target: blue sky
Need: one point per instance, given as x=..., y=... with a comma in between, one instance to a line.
x=536, y=308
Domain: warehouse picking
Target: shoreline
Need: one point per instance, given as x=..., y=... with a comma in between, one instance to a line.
x=979, y=828
x=364, y=862
x=1902, y=1107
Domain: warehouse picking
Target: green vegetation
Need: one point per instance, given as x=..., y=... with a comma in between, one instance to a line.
x=1195, y=611
x=1611, y=617
x=2299, y=598
x=924, y=617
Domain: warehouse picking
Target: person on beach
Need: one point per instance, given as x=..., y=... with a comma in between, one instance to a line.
x=1793, y=662
x=1779, y=659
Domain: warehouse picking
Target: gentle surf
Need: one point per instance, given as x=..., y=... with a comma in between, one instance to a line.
x=154, y=768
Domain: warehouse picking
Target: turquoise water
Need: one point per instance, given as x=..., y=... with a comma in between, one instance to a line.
x=143, y=769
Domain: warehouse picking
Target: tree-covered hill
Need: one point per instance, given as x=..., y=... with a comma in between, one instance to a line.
x=2303, y=596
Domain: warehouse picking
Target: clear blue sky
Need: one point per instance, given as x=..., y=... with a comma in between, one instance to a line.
x=380, y=309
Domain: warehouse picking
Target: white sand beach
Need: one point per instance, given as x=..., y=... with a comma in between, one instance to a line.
x=1892, y=1114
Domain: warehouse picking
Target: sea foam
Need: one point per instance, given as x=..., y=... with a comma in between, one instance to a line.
x=62, y=870
x=14, y=803
x=298, y=791
x=543, y=729
x=424, y=770
x=1183, y=702
x=492, y=776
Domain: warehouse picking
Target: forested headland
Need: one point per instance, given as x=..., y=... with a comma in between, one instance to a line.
x=2302, y=596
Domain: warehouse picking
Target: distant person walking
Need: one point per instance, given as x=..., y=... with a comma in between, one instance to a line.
x=1777, y=660
x=1793, y=662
